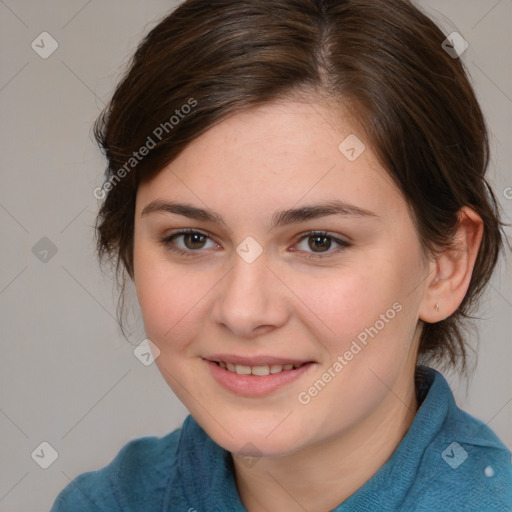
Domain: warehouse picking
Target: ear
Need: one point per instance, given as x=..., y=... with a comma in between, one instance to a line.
x=452, y=269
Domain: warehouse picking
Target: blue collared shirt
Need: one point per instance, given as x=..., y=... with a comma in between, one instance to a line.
x=447, y=461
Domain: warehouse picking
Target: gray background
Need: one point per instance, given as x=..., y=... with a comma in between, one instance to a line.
x=67, y=376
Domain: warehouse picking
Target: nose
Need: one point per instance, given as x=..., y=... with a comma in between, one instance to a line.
x=251, y=300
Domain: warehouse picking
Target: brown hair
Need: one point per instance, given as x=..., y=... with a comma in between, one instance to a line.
x=382, y=59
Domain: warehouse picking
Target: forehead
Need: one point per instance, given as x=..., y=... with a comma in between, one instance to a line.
x=285, y=153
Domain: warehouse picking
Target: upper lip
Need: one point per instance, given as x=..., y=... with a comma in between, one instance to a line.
x=255, y=360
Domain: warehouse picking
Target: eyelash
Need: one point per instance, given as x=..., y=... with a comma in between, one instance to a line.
x=167, y=243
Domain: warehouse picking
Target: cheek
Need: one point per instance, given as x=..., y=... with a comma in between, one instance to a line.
x=170, y=298
x=368, y=302
x=345, y=300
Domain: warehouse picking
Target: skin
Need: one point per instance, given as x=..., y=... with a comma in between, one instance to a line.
x=285, y=155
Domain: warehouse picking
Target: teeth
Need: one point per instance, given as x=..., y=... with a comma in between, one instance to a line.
x=276, y=368
x=260, y=370
x=243, y=370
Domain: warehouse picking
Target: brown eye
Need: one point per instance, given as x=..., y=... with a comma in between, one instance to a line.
x=320, y=243
x=194, y=240
x=187, y=242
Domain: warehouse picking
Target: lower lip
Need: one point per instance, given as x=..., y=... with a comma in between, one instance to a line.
x=254, y=385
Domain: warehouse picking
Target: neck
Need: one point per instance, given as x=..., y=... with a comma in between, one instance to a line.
x=322, y=476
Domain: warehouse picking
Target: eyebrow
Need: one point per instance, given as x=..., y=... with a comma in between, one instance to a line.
x=279, y=218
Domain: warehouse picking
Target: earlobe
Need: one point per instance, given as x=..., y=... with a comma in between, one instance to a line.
x=449, y=281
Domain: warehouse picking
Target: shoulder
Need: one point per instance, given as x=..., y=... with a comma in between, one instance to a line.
x=465, y=466
x=138, y=475
x=185, y=470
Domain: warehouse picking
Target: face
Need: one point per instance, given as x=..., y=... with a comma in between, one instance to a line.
x=251, y=289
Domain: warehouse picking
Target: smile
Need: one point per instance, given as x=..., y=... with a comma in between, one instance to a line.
x=256, y=376
x=260, y=370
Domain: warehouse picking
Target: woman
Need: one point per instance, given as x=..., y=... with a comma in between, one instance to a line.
x=297, y=190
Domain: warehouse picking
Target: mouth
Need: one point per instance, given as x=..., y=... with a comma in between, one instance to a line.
x=256, y=376
x=260, y=370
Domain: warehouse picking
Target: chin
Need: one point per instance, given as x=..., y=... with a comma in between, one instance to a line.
x=252, y=435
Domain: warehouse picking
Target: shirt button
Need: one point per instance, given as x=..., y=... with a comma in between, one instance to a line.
x=489, y=472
